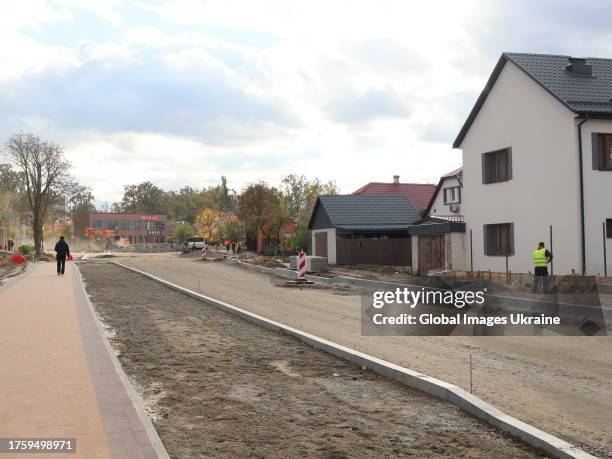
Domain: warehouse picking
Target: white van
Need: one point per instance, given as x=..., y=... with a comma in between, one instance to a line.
x=193, y=243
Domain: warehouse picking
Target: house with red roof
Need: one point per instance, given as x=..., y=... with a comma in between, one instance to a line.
x=419, y=194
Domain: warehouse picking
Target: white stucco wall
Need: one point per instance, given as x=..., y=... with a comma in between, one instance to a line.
x=597, y=199
x=458, y=251
x=438, y=207
x=331, y=244
x=520, y=114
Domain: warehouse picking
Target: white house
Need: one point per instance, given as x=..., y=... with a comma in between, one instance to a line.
x=537, y=160
x=446, y=200
x=438, y=240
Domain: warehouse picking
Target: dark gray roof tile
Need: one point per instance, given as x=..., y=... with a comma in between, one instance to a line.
x=583, y=94
x=359, y=212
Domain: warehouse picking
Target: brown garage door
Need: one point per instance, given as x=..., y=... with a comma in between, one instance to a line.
x=431, y=253
x=321, y=244
x=382, y=252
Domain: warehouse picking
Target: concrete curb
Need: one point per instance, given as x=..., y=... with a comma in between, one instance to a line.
x=449, y=392
x=136, y=400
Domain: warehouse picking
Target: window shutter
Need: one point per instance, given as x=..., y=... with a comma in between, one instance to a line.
x=596, y=150
x=485, y=233
x=509, y=150
x=511, y=236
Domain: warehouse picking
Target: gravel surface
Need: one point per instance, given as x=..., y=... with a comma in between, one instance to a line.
x=220, y=386
x=560, y=384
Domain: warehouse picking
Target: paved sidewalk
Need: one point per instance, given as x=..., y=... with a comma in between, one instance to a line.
x=57, y=377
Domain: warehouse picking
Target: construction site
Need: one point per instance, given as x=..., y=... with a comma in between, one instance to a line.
x=555, y=383
x=225, y=235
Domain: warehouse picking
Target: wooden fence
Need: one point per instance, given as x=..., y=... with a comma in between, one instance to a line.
x=383, y=252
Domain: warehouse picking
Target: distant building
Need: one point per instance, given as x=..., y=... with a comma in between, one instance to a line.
x=419, y=194
x=135, y=228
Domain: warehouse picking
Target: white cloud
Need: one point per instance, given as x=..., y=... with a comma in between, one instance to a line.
x=183, y=91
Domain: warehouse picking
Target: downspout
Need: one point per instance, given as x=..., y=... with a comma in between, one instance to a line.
x=583, y=239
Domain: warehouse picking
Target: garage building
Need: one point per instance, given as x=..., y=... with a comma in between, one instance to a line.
x=367, y=230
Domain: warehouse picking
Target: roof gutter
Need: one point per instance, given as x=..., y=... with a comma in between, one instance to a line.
x=581, y=168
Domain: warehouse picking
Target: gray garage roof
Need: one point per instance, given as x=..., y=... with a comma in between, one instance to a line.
x=582, y=94
x=363, y=213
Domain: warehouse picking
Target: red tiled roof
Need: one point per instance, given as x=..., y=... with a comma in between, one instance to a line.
x=419, y=193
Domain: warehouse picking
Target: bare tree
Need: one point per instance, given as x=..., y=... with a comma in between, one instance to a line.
x=45, y=175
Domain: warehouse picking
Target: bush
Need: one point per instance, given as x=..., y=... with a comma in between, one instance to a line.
x=182, y=232
x=26, y=249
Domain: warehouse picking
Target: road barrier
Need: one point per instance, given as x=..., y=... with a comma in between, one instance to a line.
x=302, y=266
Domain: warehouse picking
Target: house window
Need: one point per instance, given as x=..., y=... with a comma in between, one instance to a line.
x=497, y=166
x=609, y=228
x=602, y=152
x=452, y=195
x=499, y=239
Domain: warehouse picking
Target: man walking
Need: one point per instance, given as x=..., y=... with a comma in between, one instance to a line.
x=62, y=250
x=541, y=258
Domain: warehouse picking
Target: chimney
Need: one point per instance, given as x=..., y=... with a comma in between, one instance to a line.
x=579, y=66
x=396, y=179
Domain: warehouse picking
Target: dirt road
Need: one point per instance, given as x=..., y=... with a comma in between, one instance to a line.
x=562, y=385
x=219, y=386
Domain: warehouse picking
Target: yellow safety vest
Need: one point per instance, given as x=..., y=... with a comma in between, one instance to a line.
x=540, y=260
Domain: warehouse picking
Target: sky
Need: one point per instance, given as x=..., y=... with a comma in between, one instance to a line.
x=181, y=92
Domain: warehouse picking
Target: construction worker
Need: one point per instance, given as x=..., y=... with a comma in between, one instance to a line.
x=541, y=258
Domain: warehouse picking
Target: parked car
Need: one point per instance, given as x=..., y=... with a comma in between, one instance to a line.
x=193, y=243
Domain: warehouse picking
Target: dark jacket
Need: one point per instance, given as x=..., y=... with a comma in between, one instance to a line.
x=62, y=248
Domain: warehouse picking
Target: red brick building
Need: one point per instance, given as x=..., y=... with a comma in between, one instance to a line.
x=136, y=228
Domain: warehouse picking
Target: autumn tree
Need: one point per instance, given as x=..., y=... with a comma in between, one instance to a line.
x=300, y=195
x=231, y=228
x=44, y=172
x=259, y=207
x=10, y=180
x=11, y=196
x=80, y=198
x=208, y=223
x=185, y=204
x=224, y=199
x=145, y=198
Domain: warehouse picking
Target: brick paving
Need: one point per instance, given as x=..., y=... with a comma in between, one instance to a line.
x=57, y=377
